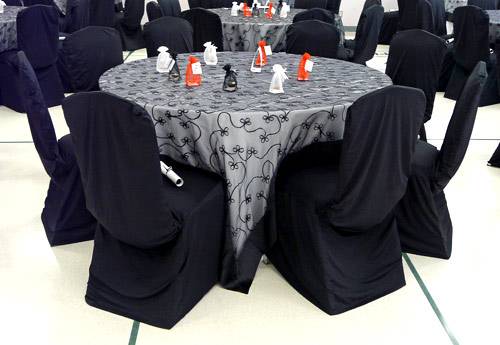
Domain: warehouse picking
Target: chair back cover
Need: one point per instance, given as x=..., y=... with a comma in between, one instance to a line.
x=415, y=60
x=89, y=53
x=333, y=6
x=170, y=8
x=415, y=14
x=153, y=11
x=42, y=129
x=370, y=3
x=439, y=17
x=460, y=127
x=313, y=36
x=38, y=35
x=117, y=152
x=471, y=27
x=367, y=33
x=484, y=4
x=12, y=2
x=210, y=3
x=310, y=4
x=102, y=13
x=379, y=139
x=315, y=13
x=174, y=32
x=132, y=15
x=206, y=25
x=495, y=159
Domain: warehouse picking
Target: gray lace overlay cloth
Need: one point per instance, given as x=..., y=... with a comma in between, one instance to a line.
x=61, y=4
x=243, y=136
x=8, y=30
x=450, y=5
x=494, y=25
x=244, y=33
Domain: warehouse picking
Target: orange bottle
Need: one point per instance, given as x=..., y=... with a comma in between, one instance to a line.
x=193, y=72
x=302, y=73
x=246, y=10
x=269, y=12
x=263, y=61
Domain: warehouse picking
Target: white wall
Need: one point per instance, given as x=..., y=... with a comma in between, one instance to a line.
x=351, y=9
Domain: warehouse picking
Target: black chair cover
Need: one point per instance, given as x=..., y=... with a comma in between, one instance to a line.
x=367, y=33
x=471, y=45
x=370, y=3
x=206, y=25
x=40, y=47
x=102, y=13
x=153, y=11
x=65, y=216
x=313, y=36
x=495, y=159
x=389, y=27
x=210, y=3
x=86, y=55
x=315, y=13
x=484, y=4
x=415, y=14
x=77, y=15
x=311, y=4
x=170, y=8
x=337, y=241
x=439, y=17
x=128, y=23
x=173, y=32
x=157, y=247
x=415, y=60
x=423, y=218
x=333, y=6
x=12, y=2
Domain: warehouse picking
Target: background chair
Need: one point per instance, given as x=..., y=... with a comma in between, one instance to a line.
x=209, y=3
x=64, y=216
x=128, y=23
x=415, y=60
x=336, y=235
x=173, y=32
x=170, y=8
x=333, y=6
x=495, y=159
x=153, y=11
x=313, y=36
x=310, y=4
x=471, y=45
x=364, y=45
x=86, y=54
x=40, y=47
x=484, y=4
x=12, y=2
x=102, y=13
x=415, y=14
x=206, y=25
x=157, y=248
x=424, y=222
x=315, y=13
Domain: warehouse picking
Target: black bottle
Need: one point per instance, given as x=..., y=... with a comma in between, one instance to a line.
x=174, y=74
x=230, y=82
x=255, y=10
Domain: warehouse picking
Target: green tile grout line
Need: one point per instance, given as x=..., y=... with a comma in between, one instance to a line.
x=133, y=333
x=431, y=301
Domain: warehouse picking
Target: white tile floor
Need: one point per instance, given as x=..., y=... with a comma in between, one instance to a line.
x=42, y=288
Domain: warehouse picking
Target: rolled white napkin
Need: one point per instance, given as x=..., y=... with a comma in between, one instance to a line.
x=171, y=175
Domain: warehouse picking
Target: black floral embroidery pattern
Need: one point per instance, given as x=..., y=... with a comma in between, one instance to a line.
x=243, y=136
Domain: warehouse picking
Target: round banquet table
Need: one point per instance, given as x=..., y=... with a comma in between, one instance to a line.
x=243, y=136
x=494, y=26
x=8, y=30
x=244, y=33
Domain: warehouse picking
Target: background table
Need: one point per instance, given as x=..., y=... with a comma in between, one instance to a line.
x=243, y=136
x=8, y=30
x=450, y=5
x=244, y=33
x=494, y=25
